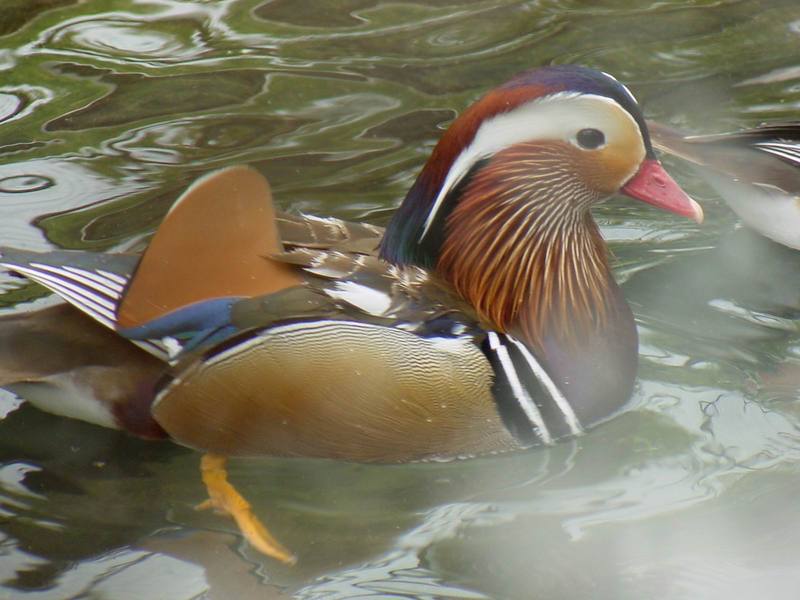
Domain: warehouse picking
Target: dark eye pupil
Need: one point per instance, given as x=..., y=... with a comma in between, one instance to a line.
x=591, y=138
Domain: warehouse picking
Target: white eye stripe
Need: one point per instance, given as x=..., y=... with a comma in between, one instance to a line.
x=556, y=117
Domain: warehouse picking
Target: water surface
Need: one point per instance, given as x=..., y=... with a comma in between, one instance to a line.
x=109, y=109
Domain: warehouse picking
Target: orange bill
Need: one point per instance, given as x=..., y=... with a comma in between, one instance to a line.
x=653, y=185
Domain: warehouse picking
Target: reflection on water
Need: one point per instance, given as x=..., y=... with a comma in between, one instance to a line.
x=109, y=109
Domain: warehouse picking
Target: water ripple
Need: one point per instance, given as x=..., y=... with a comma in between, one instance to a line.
x=22, y=184
x=110, y=108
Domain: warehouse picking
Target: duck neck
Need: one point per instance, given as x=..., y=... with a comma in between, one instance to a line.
x=536, y=266
x=544, y=277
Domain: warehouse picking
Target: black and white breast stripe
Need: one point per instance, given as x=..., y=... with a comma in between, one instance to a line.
x=532, y=407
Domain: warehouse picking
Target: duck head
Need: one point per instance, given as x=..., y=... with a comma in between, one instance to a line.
x=502, y=209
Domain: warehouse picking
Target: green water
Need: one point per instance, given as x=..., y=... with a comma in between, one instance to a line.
x=109, y=108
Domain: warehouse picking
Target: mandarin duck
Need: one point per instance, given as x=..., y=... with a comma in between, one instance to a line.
x=756, y=171
x=485, y=318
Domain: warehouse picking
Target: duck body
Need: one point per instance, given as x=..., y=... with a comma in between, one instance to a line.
x=485, y=319
x=361, y=361
x=756, y=171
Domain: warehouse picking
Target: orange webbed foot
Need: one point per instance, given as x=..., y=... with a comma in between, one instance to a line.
x=224, y=499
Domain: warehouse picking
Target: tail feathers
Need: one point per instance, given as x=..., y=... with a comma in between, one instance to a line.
x=32, y=345
x=781, y=139
x=786, y=131
x=215, y=242
x=766, y=156
x=64, y=363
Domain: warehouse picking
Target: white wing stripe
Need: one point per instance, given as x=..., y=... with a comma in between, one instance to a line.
x=71, y=293
x=84, y=300
x=791, y=147
x=563, y=404
x=53, y=282
x=779, y=149
x=787, y=151
x=79, y=277
x=153, y=347
x=520, y=393
x=114, y=288
x=123, y=281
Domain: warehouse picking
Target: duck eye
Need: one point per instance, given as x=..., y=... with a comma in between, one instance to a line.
x=590, y=139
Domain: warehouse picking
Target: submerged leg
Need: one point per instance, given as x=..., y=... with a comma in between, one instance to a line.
x=224, y=498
